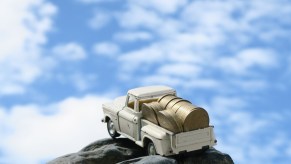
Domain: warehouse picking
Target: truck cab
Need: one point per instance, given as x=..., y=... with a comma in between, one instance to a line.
x=130, y=116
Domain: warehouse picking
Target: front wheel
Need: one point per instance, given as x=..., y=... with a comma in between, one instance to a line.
x=111, y=129
x=151, y=149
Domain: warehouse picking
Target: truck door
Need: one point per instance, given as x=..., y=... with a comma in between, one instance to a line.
x=128, y=119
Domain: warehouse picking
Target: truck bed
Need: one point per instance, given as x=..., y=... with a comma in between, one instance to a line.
x=193, y=140
x=187, y=141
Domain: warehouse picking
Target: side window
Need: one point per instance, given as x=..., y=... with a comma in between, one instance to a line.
x=131, y=101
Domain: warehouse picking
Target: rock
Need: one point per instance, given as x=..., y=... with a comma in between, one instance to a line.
x=103, y=151
x=150, y=159
x=124, y=151
x=209, y=156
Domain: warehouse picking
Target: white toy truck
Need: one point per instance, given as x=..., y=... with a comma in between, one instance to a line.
x=124, y=117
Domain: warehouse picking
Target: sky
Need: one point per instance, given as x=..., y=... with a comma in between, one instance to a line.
x=60, y=60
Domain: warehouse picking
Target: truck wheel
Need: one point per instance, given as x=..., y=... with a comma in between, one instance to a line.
x=151, y=149
x=111, y=129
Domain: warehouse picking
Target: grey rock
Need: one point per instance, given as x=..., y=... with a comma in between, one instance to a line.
x=209, y=156
x=104, y=151
x=124, y=151
x=150, y=160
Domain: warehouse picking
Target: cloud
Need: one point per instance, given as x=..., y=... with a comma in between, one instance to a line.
x=130, y=36
x=180, y=69
x=251, y=85
x=100, y=20
x=247, y=59
x=159, y=79
x=288, y=152
x=162, y=6
x=94, y=1
x=144, y=57
x=136, y=16
x=106, y=49
x=180, y=74
x=23, y=32
x=31, y=136
x=245, y=135
x=69, y=51
x=227, y=44
x=83, y=81
x=80, y=81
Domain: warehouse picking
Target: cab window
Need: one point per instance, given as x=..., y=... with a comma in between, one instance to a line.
x=130, y=102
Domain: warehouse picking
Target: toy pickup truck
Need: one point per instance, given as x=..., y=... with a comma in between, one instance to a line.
x=124, y=116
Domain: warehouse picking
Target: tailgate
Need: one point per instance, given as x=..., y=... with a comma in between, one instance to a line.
x=195, y=137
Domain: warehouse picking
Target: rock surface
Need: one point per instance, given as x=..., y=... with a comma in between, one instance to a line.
x=124, y=151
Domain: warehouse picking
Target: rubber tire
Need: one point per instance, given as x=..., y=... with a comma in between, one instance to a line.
x=151, y=149
x=111, y=129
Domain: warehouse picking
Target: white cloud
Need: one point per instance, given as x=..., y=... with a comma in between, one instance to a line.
x=247, y=59
x=69, y=51
x=219, y=15
x=94, y=1
x=163, y=6
x=225, y=43
x=243, y=134
x=160, y=79
x=141, y=59
x=137, y=16
x=181, y=82
x=106, y=49
x=288, y=151
x=250, y=85
x=100, y=20
x=203, y=83
x=133, y=36
x=23, y=32
x=180, y=69
x=30, y=136
x=83, y=81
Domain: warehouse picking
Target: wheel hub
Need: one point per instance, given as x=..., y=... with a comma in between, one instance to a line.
x=111, y=128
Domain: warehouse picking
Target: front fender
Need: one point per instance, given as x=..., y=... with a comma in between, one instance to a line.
x=105, y=118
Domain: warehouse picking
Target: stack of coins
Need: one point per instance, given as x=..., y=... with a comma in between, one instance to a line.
x=150, y=111
x=169, y=121
x=189, y=116
x=175, y=114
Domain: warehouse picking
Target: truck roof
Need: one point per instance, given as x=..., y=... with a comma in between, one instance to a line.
x=151, y=91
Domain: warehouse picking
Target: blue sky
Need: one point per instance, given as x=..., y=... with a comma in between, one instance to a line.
x=60, y=60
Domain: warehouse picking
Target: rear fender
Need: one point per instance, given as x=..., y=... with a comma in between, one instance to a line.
x=154, y=132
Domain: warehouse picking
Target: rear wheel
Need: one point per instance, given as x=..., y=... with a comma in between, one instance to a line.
x=111, y=129
x=151, y=149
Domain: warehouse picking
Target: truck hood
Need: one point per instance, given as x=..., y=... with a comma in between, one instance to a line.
x=116, y=105
x=120, y=101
